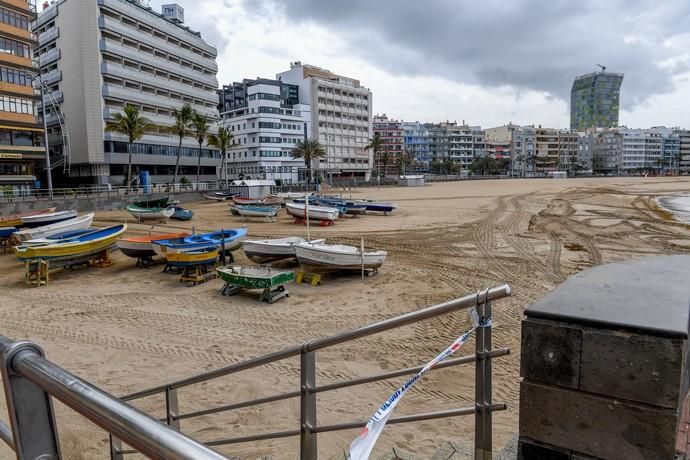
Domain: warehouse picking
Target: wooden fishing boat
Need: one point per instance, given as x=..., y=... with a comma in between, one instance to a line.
x=201, y=256
x=271, y=281
x=150, y=213
x=139, y=247
x=376, y=206
x=315, y=212
x=88, y=244
x=257, y=211
x=328, y=257
x=6, y=232
x=349, y=207
x=15, y=220
x=64, y=237
x=272, y=200
x=290, y=196
x=238, y=199
x=227, y=238
x=181, y=213
x=220, y=196
x=49, y=218
x=65, y=226
x=157, y=203
x=273, y=250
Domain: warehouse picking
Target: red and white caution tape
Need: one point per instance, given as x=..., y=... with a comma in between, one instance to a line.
x=364, y=444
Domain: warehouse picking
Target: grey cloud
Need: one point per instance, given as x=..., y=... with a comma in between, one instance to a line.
x=527, y=44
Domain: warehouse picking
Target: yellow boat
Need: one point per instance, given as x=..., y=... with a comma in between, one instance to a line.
x=83, y=245
x=205, y=256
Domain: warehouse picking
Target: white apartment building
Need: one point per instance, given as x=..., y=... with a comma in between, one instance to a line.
x=641, y=149
x=99, y=55
x=341, y=118
x=266, y=121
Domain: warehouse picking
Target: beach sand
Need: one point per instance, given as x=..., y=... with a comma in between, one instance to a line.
x=125, y=328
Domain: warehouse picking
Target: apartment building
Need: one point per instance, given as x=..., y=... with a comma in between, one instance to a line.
x=266, y=121
x=416, y=142
x=22, y=154
x=641, y=149
x=568, y=148
x=341, y=118
x=595, y=100
x=98, y=56
x=389, y=158
x=684, y=161
x=461, y=144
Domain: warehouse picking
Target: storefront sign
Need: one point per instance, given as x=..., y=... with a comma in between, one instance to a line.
x=12, y=156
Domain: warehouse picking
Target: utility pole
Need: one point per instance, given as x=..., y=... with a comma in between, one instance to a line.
x=49, y=171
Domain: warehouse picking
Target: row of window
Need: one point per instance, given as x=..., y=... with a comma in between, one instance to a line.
x=16, y=168
x=338, y=92
x=295, y=113
x=346, y=116
x=162, y=170
x=9, y=46
x=17, y=105
x=154, y=149
x=362, y=129
x=260, y=169
x=21, y=138
x=14, y=76
x=14, y=19
x=265, y=96
x=350, y=105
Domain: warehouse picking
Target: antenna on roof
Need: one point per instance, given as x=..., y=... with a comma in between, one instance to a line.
x=603, y=67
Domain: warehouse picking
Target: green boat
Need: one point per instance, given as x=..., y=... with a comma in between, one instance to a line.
x=272, y=281
x=159, y=203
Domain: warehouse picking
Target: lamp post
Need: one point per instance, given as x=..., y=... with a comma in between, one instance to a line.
x=41, y=88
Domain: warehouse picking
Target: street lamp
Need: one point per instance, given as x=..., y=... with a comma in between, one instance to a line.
x=43, y=90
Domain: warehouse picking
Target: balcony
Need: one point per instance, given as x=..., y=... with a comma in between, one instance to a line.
x=48, y=36
x=49, y=57
x=46, y=15
x=140, y=97
x=52, y=77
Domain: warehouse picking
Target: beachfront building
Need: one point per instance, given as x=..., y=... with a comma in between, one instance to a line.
x=388, y=160
x=266, y=121
x=341, y=119
x=684, y=161
x=416, y=143
x=595, y=101
x=22, y=154
x=461, y=145
x=98, y=56
x=641, y=150
x=568, y=145
x=606, y=145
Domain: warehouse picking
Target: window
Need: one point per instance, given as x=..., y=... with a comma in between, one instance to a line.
x=14, y=76
x=14, y=47
x=16, y=105
x=14, y=19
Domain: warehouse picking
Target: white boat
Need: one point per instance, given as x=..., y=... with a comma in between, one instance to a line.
x=324, y=257
x=256, y=211
x=69, y=225
x=151, y=213
x=48, y=218
x=315, y=212
x=288, y=196
x=265, y=251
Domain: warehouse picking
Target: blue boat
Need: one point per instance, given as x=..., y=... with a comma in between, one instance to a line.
x=344, y=206
x=199, y=242
x=181, y=213
x=375, y=206
x=6, y=232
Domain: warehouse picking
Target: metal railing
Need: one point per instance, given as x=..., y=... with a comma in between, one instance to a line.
x=30, y=380
x=308, y=428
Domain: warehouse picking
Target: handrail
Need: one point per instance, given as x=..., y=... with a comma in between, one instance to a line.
x=29, y=378
x=317, y=344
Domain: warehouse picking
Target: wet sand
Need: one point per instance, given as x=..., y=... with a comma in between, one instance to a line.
x=125, y=329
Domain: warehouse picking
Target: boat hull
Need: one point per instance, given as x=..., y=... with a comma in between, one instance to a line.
x=315, y=212
x=255, y=277
x=65, y=226
x=164, y=247
x=6, y=232
x=317, y=259
x=72, y=250
x=151, y=213
x=139, y=247
x=15, y=220
x=256, y=211
x=192, y=258
x=274, y=250
x=42, y=220
x=159, y=203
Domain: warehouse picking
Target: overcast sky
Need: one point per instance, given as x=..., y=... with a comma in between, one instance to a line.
x=487, y=62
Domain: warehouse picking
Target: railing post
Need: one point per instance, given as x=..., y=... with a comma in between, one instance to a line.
x=171, y=408
x=116, y=449
x=482, y=420
x=31, y=413
x=308, y=447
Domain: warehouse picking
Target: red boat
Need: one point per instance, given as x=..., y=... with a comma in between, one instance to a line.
x=15, y=220
x=270, y=200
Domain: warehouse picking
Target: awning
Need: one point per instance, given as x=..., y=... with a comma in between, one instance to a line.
x=21, y=128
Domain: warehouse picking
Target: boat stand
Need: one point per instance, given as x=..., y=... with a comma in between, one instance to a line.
x=5, y=245
x=196, y=274
x=172, y=269
x=269, y=295
x=322, y=223
x=103, y=260
x=146, y=262
x=37, y=272
x=312, y=278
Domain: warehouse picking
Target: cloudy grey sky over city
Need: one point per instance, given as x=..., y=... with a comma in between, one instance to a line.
x=487, y=62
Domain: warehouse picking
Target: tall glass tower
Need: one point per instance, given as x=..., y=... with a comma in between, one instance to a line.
x=595, y=100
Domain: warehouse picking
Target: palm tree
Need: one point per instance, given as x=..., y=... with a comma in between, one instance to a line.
x=200, y=127
x=182, y=128
x=221, y=141
x=375, y=144
x=131, y=124
x=308, y=149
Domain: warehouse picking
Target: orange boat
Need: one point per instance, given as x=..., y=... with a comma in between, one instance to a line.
x=15, y=220
x=139, y=247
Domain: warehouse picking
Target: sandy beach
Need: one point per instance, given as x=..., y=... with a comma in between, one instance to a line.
x=125, y=328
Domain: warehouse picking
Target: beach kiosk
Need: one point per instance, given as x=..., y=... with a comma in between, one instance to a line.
x=604, y=364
